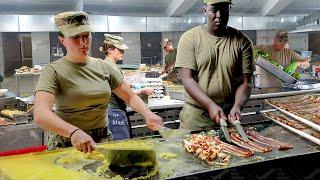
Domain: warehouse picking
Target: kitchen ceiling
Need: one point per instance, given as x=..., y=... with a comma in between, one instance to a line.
x=158, y=7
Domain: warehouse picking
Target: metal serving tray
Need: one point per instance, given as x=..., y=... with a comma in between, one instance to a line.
x=303, y=120
x=304, y=133
x=304, y=84
x=276, y=72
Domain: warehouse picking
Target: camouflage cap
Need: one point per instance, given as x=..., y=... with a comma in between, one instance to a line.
x=116, y=41
x=216, y=1
x=72, y=23
x=165, y=42
x=282, y=36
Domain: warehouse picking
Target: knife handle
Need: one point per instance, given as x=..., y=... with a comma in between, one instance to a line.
x=236, y=122
x=223, y=122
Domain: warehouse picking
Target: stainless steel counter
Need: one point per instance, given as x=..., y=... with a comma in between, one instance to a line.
x=264, y=93
x=20, y=136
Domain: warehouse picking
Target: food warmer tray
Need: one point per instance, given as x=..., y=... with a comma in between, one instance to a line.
x=304, y=84
x=304, y=133
x=303, y=120
x=278, y=73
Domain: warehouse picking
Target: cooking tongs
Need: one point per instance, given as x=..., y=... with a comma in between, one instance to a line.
x=236, y=123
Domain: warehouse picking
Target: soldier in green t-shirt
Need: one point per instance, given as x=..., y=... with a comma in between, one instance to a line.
x=114, y=47
x=215, y=66
x=170, y=60
x=80, y=86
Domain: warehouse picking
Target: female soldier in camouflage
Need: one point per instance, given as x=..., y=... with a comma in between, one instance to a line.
x=80, y=86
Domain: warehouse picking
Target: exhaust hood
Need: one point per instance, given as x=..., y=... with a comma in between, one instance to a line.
x=307, y=29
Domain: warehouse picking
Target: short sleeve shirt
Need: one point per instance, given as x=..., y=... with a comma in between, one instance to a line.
x=284, y=58
x=219, y=61
x=82, y=90
x=116, y=102
x=171, y=57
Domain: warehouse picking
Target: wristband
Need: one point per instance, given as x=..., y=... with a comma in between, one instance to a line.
x=73, y=132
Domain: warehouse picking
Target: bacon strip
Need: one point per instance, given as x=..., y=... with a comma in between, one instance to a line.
x=256, y=137
x=236, y=139
x=234, y=150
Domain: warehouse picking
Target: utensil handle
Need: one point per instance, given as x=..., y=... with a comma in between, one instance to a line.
x=223, y=122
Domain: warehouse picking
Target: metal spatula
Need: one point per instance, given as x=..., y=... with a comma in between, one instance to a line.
x=240, y=130
x=127, y=156
x=224, y=128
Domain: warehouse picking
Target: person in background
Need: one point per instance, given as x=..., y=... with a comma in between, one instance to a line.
x=215, y=64
x=170, y=60
x=280, y=53
x=114, y=47
x=80, y=87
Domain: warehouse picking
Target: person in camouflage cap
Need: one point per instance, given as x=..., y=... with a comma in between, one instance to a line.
x=170, y=60
x=284, y=56
x=113, y=47
x=80, y=87
x=72, y=23
x=215, y=64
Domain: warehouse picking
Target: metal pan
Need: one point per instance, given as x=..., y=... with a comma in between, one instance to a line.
x=276, y=72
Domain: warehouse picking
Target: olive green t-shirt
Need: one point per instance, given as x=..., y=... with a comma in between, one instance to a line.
x=284, y=58
x=219, y=61
x=115, y=102
x=82, y=90
x=171, y=59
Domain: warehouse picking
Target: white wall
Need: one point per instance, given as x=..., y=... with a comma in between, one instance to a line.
x=40, y=48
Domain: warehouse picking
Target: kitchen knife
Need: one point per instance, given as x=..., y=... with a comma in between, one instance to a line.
x=223, y=125
x=240, y=130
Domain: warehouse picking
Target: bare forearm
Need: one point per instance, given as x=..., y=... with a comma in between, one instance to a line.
x=126, y=94
x=138, y=105
x=194, y=90
x=243, y=92
x=304, y=63
x=49, y=121
x=242, y=95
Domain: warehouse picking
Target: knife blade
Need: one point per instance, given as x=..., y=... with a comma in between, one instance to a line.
x=223, y=125
x=240, y=130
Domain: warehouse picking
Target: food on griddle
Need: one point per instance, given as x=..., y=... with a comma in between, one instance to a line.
x=306, y=106
x=233, y=150
x=256, y=137
x=288, y=121
x=168, y=156
x=11, y=113
x=316, y=134
x=2, y=121
x=207, y=150
x=252, y=146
